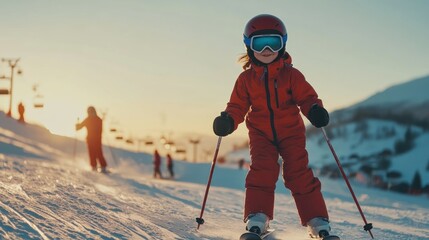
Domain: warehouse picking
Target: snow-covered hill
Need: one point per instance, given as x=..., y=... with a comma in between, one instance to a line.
x=375, y=130
x=406, y=103
x=370, y=147
x=409, y=93
x=45, y=193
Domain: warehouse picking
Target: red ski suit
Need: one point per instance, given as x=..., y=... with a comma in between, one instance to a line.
x=271, y=98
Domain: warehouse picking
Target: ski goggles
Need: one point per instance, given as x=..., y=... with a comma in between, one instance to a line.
x=258, y=43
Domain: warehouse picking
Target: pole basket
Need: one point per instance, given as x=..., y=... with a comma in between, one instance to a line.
x=367, y=227
x=200, y=220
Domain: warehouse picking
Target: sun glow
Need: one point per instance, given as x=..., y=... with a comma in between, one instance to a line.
x=57, y=119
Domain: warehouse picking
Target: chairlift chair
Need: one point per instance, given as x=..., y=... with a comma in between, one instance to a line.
x=180, y=150
x=38, y=103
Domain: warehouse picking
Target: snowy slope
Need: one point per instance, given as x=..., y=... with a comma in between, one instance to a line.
x=407, y=163
x=46, y=194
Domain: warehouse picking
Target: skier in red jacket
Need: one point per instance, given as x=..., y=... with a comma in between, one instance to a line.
x=21, y=111
x=270, y=93
x=94, y=127
x=156, y=164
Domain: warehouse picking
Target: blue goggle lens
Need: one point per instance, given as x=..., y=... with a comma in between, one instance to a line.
x=273, y=42
x=260, y=42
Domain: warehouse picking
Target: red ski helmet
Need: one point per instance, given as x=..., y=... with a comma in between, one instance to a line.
x=260, y=25
x=264, y=22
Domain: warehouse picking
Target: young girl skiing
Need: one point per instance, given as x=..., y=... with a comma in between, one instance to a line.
x=270, y=93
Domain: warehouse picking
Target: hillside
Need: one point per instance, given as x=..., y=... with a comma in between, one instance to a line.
x=410, y=93
x=376, y=146
x=393, y=124
x=404, y=103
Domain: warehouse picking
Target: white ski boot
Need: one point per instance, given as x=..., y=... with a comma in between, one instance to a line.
x=318, y=227
x=257, y=223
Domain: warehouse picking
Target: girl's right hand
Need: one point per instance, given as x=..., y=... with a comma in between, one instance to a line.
x=223, y=124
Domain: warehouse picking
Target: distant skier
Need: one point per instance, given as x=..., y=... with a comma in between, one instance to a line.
x=94, y=127
x=275, y=92
x=21, y=111
x=156, y=164
x=170, y=165
x=241, y=163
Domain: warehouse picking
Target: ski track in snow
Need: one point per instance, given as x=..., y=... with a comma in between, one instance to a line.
x=5, y=208
x=49, y=199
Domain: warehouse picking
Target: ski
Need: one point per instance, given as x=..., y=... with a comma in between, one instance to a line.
x=326, y=236
x=106, y=171
x=331, y=237
x=255, y=236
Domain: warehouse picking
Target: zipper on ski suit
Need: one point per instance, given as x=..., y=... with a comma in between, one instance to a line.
x=267, y=90
x=276, y=93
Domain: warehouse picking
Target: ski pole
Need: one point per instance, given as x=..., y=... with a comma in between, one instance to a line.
x=108, y=143
x=200, y=220
x=111, y=151
x=368, y=226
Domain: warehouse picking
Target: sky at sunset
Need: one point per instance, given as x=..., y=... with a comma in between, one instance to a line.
x=169, y=66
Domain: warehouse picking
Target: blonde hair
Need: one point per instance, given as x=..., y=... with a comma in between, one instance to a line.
x=245, y=60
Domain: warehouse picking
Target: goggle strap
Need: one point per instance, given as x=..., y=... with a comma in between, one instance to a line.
x=246, y=40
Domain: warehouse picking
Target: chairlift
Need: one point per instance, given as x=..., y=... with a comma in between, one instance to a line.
x=38, y=105
x=180, y=150
x=129, y=141
x=119, y=137
x=4, y=91
x=113, y=126
x=38, y=101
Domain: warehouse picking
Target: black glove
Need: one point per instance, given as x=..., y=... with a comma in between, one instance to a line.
x=318, y=116
x=223, y=124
